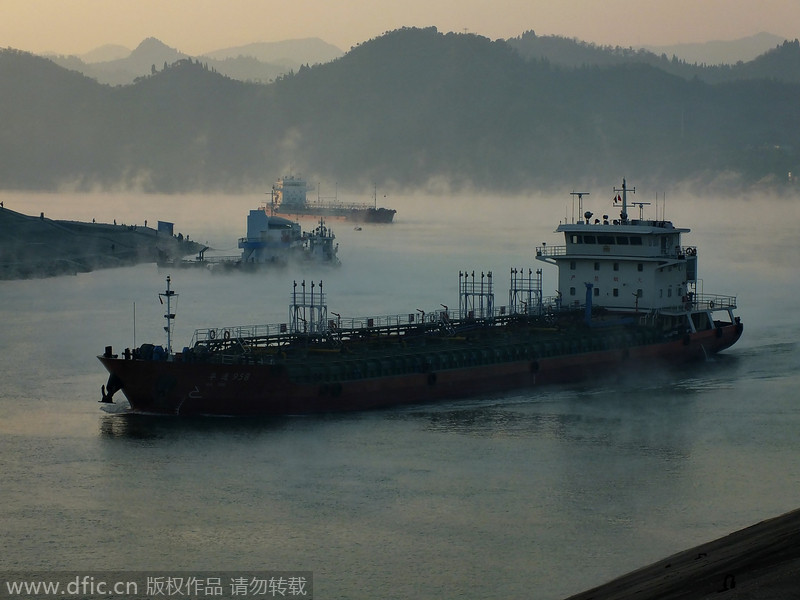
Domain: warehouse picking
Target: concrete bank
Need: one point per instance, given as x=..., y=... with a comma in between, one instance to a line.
x=761, y=562
x=40, y=247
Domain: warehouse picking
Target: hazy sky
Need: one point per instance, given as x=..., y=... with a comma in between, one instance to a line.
x=197, y=26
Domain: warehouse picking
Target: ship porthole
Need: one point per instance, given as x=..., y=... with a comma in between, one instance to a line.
x=431, y=378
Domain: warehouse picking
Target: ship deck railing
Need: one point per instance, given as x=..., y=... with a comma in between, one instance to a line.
x=713, y=301
x=324, y=205
x=219, y=259
x=377, y=361
x=698, y=302
x=551, y=251
x=342, y=328
x=676, y=252
x=242, y=338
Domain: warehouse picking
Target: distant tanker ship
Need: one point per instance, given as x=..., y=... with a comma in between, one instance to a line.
x=290, y=196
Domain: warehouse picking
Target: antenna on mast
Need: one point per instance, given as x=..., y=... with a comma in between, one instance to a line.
x=272, y=201
x=580, y=196
x=641, y=206
x=170, y=316
x=624, y=214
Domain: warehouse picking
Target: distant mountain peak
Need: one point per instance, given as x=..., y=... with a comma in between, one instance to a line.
x=152, y=51
x=152, y=44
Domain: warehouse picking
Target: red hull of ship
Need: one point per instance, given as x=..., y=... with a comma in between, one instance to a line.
x=241, y=389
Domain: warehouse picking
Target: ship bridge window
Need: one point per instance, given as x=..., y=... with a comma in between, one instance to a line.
x=622, y=240
x=636, y=240
x=589, y=239
x=577, y=239
x=605, y=239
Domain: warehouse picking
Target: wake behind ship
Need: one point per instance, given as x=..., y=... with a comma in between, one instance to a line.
x=627, y=295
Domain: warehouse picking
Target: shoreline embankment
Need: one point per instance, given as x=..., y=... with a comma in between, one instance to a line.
x=37, y=247
x=760, y=562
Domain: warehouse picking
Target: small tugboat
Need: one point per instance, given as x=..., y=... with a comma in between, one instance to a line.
x=270, y=241
x=627, y=296
x=290, y=196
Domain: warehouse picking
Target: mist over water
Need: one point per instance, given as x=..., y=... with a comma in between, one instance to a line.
x=536, y=493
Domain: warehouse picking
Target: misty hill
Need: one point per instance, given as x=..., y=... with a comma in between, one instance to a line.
x=105, y=53
x=292, y=53
x=409, y=109
x=264, y=62
x=780, y=62
x=261, y=62
x=721, y=52
x=150, y=54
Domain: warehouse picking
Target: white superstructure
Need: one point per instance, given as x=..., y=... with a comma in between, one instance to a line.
x=290, y=193
x=630, y=265
x=269, y=238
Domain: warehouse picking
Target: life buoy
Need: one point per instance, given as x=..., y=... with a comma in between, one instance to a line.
x=710, y=304
x=212, y=334
x=227, y=335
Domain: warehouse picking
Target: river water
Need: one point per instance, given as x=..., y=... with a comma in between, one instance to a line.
x=538, y=493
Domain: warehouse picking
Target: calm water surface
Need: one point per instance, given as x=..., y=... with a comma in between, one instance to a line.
x=539, y=494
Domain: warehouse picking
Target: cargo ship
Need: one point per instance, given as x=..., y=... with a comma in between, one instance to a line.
x=270, y=241
x=290, y=196
x=627, y=298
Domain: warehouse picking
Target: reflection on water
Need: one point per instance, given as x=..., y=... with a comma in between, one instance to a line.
x=150, y=426
x=537, y=493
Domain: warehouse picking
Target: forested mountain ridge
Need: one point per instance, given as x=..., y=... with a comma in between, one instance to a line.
x=254, y=62
x=408, y=108
x=782, y=62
